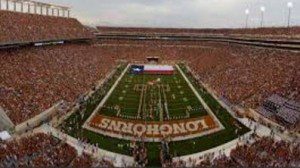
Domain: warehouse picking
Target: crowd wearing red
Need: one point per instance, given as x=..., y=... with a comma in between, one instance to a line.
x=18, y=27
x=270, y=32
x=264, y=152
x=42, y=150
x=34, y=79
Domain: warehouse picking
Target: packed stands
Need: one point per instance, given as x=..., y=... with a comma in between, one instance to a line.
x=242, y=75
x=18, y=27
x=38, y=151
x=292, y=32
x=34, y=79
x=246, y=76
x=264, y=152
x=42, y=150
x=87, y=161
x=267, y=153
x=282, y=110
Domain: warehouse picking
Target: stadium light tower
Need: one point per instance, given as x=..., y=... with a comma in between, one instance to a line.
x=247, y=12
x=290, y=6
x=262, y=10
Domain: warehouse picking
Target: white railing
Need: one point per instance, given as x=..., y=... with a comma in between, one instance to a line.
x=34, y=7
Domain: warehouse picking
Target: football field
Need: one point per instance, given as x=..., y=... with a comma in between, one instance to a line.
x=143, y=100
x=153, y=98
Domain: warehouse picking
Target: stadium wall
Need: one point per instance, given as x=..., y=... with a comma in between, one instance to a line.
x=39, y=119
x=226, y=148
x=116, y=158
x=5, y=122
x=260, y=118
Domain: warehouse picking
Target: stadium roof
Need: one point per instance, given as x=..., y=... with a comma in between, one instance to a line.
x=42, y=4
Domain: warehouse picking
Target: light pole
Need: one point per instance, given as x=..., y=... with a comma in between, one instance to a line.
x=290, y=6
x=247, y=12
x=262, y=9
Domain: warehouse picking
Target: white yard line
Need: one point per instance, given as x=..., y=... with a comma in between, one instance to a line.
x=179, y=138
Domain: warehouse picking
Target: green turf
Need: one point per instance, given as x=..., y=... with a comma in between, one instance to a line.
x=171, y=89
x=73, y=126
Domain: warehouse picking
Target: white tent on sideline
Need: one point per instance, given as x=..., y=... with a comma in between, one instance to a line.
x=4, y=135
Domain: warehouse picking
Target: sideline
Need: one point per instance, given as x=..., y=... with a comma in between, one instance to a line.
x=200, y=98
x=56, y=122
x=105, y=98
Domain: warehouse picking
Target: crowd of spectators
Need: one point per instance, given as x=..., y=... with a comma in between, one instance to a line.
x=242, y=75
x=34, y=79
x=18, y=27
x=139, y=154
x=87, y=161
x=37, y=151
x=246, y=76
x=265, y=152
x=43, y=150
x=292, y=32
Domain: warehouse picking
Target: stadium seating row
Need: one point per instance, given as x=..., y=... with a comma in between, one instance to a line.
x=42, y=150
x=276, y=31
x=33, y=79
x=23, y=27
x=265, y=152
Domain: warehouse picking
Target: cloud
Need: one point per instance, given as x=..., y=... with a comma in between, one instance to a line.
x=180, y=13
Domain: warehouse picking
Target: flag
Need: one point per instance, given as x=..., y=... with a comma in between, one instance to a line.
x=137, y=69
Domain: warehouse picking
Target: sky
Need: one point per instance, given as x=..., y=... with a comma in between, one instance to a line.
x=181, y=13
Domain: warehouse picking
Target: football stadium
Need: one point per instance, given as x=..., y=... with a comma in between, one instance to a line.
x=76, y=94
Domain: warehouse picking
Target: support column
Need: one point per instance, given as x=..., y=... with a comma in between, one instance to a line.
x=22, y=6
x=47, y=10
x=35, y=8
x=52, y=11
x=41, y=10
x=28, y=7
x=68, y=13
x=58, y=12
x=7, y=5
x=15, y=6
